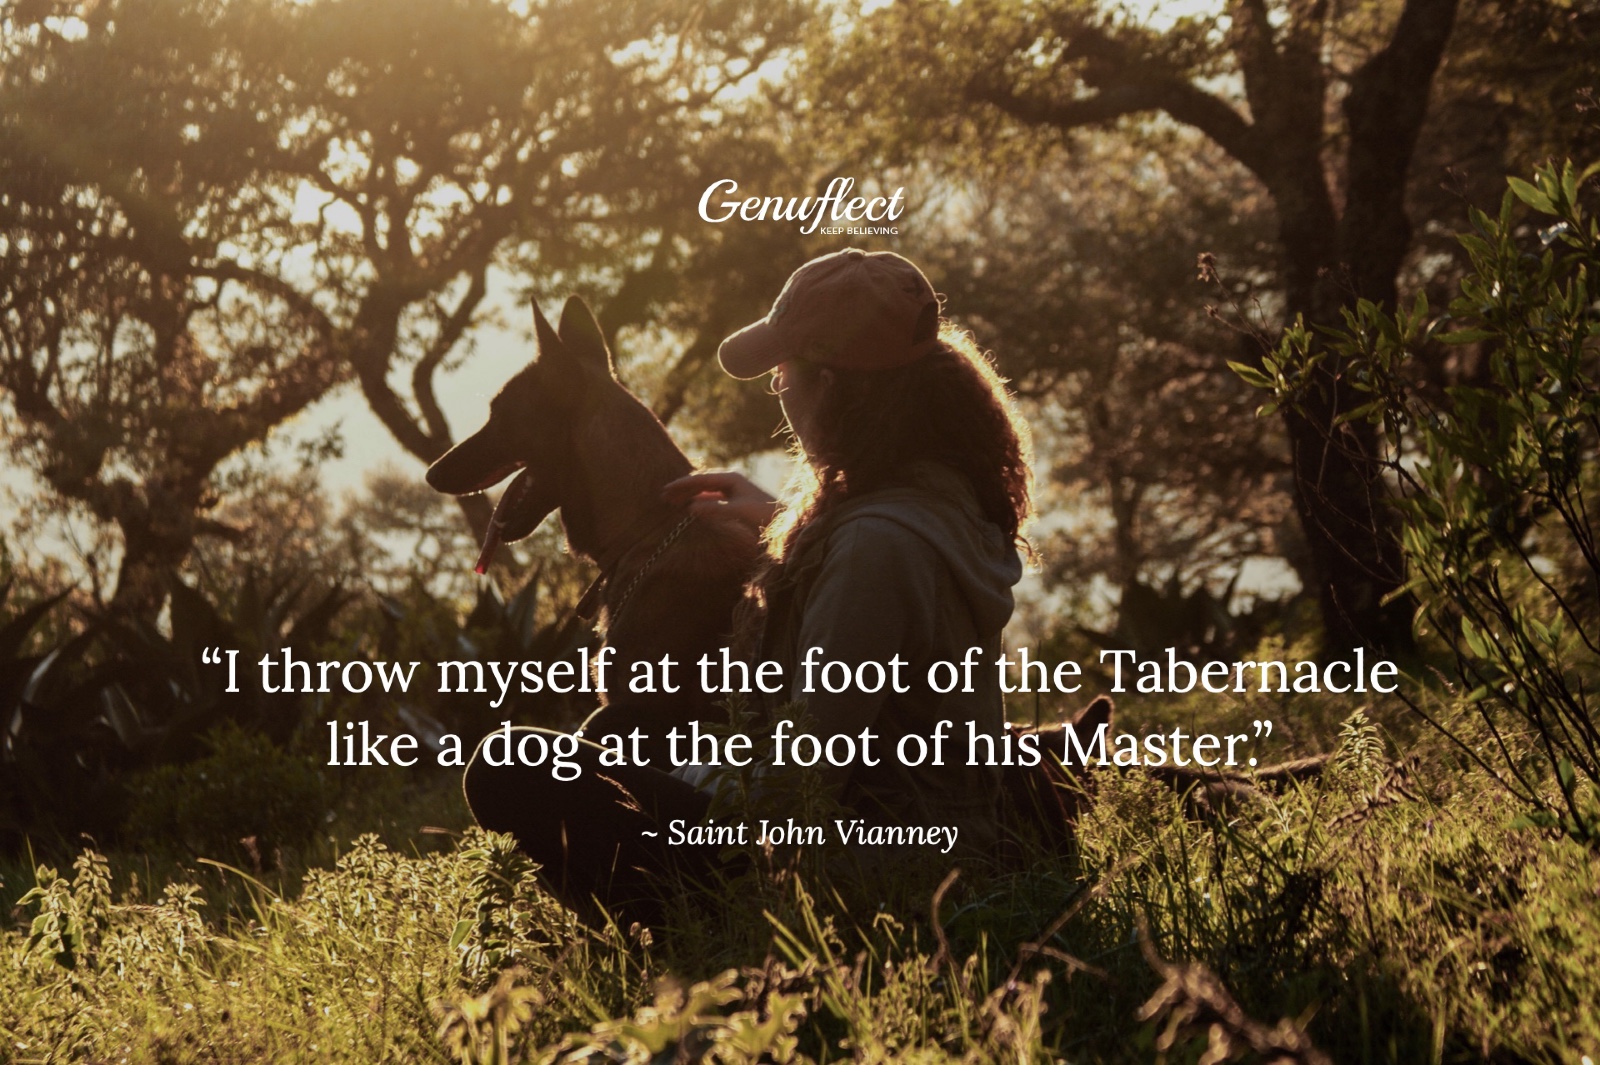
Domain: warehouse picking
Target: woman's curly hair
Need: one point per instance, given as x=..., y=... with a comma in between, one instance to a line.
x=949, y=407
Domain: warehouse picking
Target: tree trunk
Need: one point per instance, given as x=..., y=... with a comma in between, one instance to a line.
x=1338, y=487
x=1340, y=492
x=159, y=524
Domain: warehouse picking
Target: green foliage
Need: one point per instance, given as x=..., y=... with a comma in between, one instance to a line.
x=1383, y=914
x=78, y=941
x=507, y=903
x=71, y=917
x=697, y=1022
x=247, y=798
x=118, y=695
x=345, y=972
x=1360, y=752
x=485, y=1028
x=536, y=623
x=1497, y=473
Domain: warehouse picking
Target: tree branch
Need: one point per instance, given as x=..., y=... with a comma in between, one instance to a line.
x=376, y=330
x=1125, y=84
x=306, y=379
x=1252, y=45
x=1113, y=100
x=450, y=333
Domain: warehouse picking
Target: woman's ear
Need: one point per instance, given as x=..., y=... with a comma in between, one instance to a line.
x=827, y=377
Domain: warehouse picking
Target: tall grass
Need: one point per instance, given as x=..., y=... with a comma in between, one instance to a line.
x=1385, y=913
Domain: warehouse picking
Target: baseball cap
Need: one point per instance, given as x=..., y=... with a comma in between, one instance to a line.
x=853, y=309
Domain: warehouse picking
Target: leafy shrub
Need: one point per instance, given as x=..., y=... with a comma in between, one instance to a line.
x=246, y=789
x=534, y=624
x=1497, y=476
x=1387, y=916
x=349, y=971
x=112, y=696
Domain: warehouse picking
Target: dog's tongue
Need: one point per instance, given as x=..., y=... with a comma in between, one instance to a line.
x=515, y=494
x=491, y=542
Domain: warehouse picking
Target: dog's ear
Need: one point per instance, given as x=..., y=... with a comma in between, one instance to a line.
x=546, y=342
x=582, y=336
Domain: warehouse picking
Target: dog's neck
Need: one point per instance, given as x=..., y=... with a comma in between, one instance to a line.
x=650, y=529
x=620, y=506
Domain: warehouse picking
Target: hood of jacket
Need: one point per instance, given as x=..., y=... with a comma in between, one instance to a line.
x=939, y=507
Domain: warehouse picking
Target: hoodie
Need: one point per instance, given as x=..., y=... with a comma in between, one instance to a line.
x=914, y=572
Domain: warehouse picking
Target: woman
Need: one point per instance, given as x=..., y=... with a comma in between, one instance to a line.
x=902, y=552
x=905, y=546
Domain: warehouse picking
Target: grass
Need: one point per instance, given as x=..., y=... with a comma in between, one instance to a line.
x=1387, y=912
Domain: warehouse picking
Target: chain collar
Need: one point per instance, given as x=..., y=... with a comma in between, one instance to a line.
x=655, y=556
x=588, y=605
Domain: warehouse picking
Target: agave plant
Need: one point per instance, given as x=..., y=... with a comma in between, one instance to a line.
x=24, y=731
x=121, y=695
x=527, y=627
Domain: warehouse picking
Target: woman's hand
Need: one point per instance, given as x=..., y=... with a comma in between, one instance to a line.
x=723, y=492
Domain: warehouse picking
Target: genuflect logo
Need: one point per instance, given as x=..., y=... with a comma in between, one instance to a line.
x=720, y=203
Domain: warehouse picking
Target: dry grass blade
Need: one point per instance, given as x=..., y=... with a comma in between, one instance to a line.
x=943, y=954
x=1192, y=1001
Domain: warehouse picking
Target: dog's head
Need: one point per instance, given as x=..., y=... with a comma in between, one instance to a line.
x=530, y=428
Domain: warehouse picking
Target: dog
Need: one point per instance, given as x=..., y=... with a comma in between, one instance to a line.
x=580, y=443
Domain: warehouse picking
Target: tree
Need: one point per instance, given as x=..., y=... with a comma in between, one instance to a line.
x=1496, y=487
x=1322, y=107
x=215, y=211
x=149, y=328
x=558, y=146
x=1517, y=88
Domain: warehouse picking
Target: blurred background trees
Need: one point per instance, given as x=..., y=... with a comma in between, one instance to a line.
x=149, y=324
x=216, y=212
x=1076, y=264
x=1319, y=106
